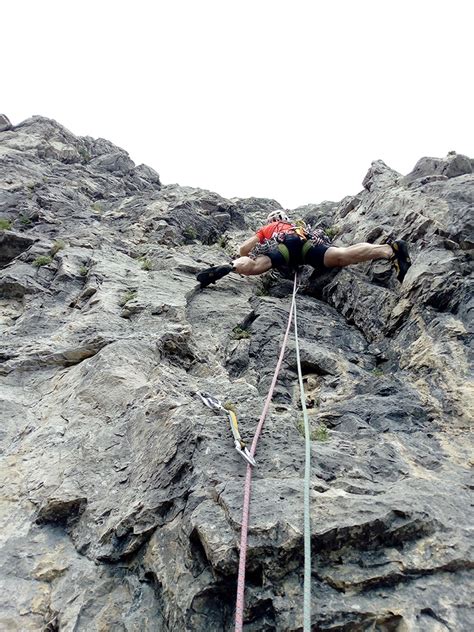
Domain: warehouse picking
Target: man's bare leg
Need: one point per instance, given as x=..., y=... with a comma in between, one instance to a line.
x=340, y=257
x=249, y=267
x=242, y=265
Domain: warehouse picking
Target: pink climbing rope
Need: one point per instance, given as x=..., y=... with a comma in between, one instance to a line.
x=240, y=602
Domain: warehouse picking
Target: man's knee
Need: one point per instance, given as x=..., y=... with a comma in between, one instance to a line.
x=248, y=266
x=335, y=257
x=244, y=265
x=241, y=264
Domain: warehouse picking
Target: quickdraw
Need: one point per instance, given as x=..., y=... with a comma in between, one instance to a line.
x=214, y=404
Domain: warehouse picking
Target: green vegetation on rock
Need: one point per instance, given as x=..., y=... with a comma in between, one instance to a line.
x=238, y=333
x=318, y=434
x=190, y=233
x=57, y=246
x=128, y=296
x=42, y=260
x=331, y=232
x=146, y=264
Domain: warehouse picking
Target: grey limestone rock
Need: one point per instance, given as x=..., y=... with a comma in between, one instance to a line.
x=122, y=494
x=12, y=245
x=5, y=124
x=430, y=169
x=379, y=176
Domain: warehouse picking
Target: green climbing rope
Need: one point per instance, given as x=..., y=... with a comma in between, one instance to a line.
x=307, y=475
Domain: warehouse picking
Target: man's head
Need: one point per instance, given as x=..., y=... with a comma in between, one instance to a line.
x=277, y=216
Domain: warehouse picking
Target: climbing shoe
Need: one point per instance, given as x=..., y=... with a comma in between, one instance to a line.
x=211, y=275
x=401, y=258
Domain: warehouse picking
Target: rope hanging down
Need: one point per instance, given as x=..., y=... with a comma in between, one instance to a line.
x=307, y=481
x=239, y=608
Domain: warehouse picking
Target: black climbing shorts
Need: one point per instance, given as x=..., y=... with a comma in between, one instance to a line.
x=314, y=256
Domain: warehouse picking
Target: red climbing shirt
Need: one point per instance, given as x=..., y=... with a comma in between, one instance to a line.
x=267, y=232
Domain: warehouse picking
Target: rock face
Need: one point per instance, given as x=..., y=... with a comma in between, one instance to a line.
x=121, y=493
x=4, y=123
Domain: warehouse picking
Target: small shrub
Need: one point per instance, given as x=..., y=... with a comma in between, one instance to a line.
x=239, y=333
x=96, y=207
x=145, y=264
x=84, y=271
x=190, y=233
x=43, y=260
x=128, y=296
x=57, y=246
x=377, y=372
x=25, y=221
x=5, y=224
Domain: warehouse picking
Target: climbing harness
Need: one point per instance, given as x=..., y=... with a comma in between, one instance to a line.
x=240, y=601
x=213, y=403
x=308, y=235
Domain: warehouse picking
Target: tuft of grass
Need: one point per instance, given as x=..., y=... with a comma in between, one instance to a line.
x=128, y=296
x=319, y=434
x=265, y=284
x=25, y=221
x=43, y=260
x=146, y=264
x=239, y=333
x=85, y=155
x=377, y=372
x=97, y=207
x=83, y=271
x=190, y=233
x=57, y=246
x=331, y=232
x=5, y=224
x=223, y=241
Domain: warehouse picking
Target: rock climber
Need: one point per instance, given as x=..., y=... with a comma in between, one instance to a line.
x=282, y=245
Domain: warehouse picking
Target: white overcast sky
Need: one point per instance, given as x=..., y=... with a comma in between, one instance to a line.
x=284, y=99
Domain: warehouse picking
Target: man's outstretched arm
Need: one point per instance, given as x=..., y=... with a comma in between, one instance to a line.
x=248, y=245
